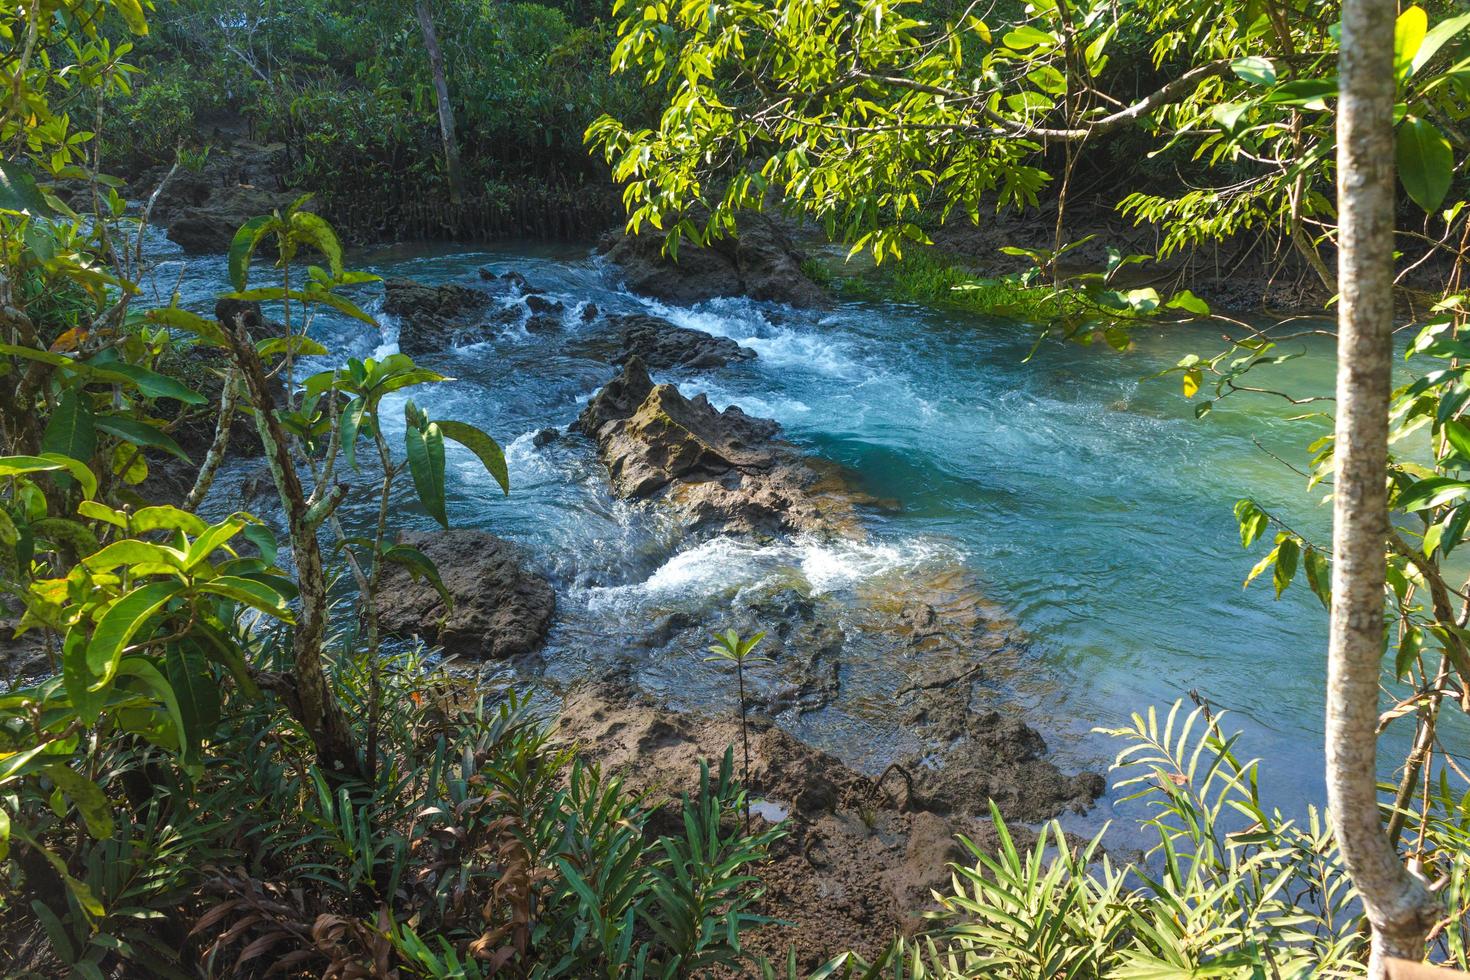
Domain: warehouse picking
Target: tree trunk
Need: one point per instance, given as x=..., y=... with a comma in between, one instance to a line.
x=1397, y=905
x=309, y=697
x=441, y=97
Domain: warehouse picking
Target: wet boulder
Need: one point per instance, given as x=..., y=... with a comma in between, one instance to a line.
x=663, y=345
x=761, y=263
x=501, y=607
x=435, y=317
x=725, y=471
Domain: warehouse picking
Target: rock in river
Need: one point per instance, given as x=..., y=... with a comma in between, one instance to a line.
x=725, y=471
x=662, y=344
x=501, y=608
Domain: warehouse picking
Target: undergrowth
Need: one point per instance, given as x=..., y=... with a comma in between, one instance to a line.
x=481, y=848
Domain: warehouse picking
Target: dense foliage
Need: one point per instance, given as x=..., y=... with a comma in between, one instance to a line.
x=348, y=88
x=221, y=768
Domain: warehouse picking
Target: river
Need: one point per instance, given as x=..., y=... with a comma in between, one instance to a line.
x=1091, y=505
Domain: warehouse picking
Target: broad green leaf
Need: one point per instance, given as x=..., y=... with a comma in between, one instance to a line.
x=201, y=327
x=426, y=463
x=1188, y=302
x=196, y=690
x=167, y=518
x=131, y=552
x=20, y=465
x=1286, y=560
x=1026, y=37
x=71, y=431
x=19, y=191
x=250, y=592
x=1457, y=434
x=1408, y=36
x=214, y=538
x=351, y=424
x=243, y=245
x=263, y=539
x=90, y=801
x=418, y=565
x=132, y=15
x=1436, y=38
x=150, y=383
x=486, y=448
x=1319, y=575
x=1432, y=492
x=1426, y=162
x=140, y=433
x=1256, y=70
x=154, y=682
x=314, y=230
x=123, y=619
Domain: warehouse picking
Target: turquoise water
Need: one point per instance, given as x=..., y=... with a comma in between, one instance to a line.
x=1091, y=505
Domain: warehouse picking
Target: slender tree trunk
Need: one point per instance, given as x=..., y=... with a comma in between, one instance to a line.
x=309, y=696
x=441, y=97
x=1398, y=906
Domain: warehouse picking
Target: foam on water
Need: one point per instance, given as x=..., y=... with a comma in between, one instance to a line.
x=726, y=566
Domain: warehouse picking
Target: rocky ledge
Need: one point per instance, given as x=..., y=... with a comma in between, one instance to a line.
x=861, y=857
x=762, y=263
x=726, y=472
x=501, y=608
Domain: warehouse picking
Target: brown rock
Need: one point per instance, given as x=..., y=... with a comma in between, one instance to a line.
x=662, y=344
x=762, y=263
x=726, y=471
x=501, y=608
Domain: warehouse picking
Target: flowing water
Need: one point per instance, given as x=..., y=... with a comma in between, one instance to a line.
x=1090, y=505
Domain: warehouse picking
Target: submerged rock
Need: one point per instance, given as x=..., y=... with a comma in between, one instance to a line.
x=762, y=263
x=662, y=344
x=725, y=471
x=545, y=437
x=501, y=608
x=435, y=317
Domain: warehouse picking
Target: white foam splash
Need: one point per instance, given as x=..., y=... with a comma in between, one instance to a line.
x=725, y=565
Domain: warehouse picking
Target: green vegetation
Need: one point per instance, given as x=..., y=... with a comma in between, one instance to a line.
x=217, y=769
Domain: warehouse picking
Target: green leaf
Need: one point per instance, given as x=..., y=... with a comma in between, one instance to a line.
x=196, y=690
x=140, y=434
x=20, y=192
x=150, y=383
x=118, y=625
x=1286, y=560
x=314, y=230
x=1256, y=70
x=1432, y=492
x=1188, y=302
x=1025, y=37
x=426, y=462
x=351, y=424
x=243, y=245
x=1437, y=37
x=71, y=431
x=1252, y=520
x=263, y=539
x=418, y=565
x=90, y=801
x=1408, y=36
x=250, y=592
x=177, y=319
x=166, y=518
x=1319, y=575
x=46, y=462
x=132, y=15
x=486, y=448
x=1426, y=162
x=148, y=675
x=213, y=539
